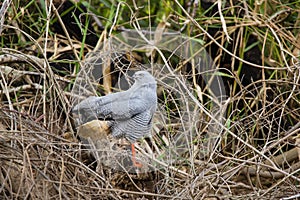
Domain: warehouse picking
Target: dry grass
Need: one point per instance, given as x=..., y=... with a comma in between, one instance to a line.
x=240, y=140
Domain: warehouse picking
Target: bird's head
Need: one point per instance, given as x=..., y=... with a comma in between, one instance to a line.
x=143, y=77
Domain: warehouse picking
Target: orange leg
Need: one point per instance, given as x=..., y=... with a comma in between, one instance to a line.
x=135, y=163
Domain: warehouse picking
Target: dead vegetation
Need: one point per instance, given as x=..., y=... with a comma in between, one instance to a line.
x=253, y=117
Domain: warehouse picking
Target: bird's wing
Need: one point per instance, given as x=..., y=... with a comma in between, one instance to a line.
x=117, y=106
x=93, y=103
x=122, y=108
x=84, y=110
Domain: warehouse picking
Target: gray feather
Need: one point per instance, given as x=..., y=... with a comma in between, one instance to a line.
x=130, y=112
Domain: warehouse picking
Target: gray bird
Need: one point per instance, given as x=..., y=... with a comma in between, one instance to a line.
x=129, y=113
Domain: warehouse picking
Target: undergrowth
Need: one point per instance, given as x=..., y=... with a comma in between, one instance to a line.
x=240, y=143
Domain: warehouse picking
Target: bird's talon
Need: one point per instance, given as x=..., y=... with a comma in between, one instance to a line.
x=137, y=164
